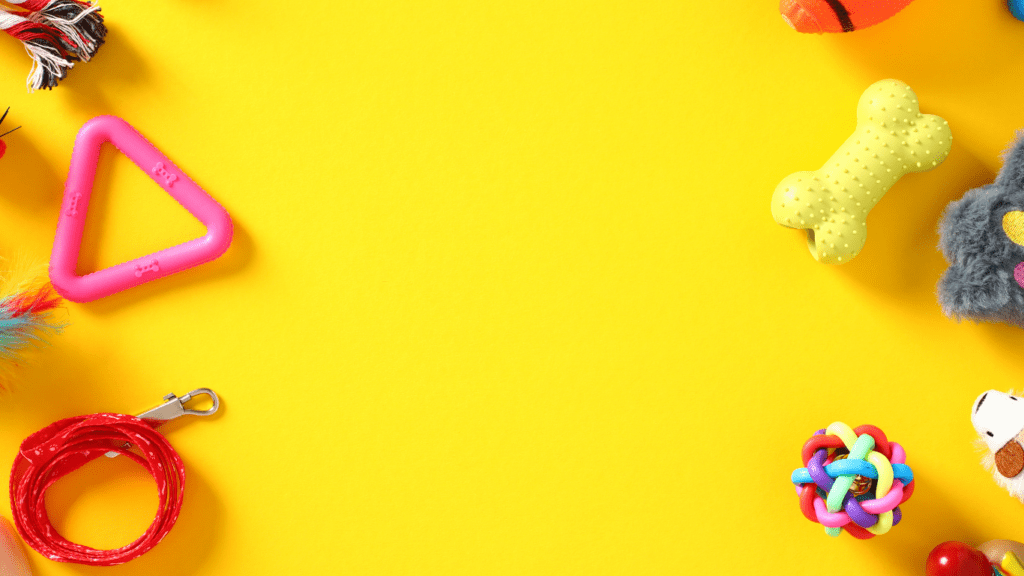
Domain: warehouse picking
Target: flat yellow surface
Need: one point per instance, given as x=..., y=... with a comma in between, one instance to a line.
x=505, y=295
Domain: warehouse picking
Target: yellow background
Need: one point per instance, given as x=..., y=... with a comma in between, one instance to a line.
x=505, y=295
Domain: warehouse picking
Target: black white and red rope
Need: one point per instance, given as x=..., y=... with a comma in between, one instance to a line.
x=56, y=34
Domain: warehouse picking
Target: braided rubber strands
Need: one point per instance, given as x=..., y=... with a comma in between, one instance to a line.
x=65, y=446
x=853, y=479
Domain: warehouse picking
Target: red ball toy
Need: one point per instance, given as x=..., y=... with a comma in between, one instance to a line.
x=957, y=559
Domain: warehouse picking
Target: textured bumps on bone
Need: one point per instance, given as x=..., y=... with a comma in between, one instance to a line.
x=892, y=139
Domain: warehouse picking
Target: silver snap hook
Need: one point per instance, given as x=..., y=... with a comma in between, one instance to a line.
x=174, y=407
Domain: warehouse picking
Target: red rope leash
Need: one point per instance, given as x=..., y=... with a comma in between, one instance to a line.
x=65, y=446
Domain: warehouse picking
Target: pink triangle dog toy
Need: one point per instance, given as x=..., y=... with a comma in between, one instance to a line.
x=71, y=224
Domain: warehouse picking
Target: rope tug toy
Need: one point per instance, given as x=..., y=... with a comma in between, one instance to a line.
x=853, y=479
x=56, y=34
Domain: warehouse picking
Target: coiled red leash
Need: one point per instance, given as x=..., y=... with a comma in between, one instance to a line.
x=67, y=445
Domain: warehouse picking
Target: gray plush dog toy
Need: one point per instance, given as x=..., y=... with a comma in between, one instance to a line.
x=982, y=237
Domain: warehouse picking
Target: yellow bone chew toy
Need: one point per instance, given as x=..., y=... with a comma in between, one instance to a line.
x=892, y=138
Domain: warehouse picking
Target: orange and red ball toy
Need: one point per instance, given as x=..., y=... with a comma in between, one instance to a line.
x=818, y=16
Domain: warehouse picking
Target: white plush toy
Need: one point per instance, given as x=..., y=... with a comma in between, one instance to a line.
x=999, y=420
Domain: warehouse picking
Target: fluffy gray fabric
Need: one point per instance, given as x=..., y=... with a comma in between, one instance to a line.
x=979, y=283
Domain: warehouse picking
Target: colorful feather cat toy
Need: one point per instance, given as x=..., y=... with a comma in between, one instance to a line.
x=27, y=303
x=27, y=306
x=56, y=34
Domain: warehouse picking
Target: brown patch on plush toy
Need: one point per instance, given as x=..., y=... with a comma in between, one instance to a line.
x=1010, y=459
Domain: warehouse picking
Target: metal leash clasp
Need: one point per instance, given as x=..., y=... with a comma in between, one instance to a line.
x=174, y=407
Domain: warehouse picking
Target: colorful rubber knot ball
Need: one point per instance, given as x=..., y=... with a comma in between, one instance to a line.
x=853, y=479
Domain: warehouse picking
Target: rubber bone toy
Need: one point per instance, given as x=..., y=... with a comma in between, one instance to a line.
x=817, y=16
x=892, y=138
x=999, y=421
